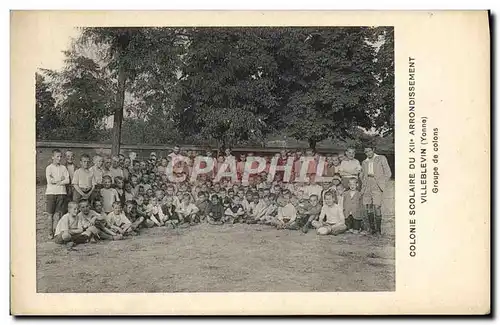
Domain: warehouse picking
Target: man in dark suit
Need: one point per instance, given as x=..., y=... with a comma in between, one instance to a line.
x=376, y=172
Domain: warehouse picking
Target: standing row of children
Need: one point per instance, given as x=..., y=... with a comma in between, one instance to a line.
x=116, y=196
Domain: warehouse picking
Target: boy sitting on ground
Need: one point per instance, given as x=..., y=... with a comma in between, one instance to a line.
x=203, y=206
x=309, y=212
x=234, y=213
x=258, y=210
x=155, y=212
x=89, y=219
x=118, y=222
x=134, y=217
x=105, y=231
x=69, y=229
x=215, y=211
x=285, y=218
x=331, y=219
x=187, y=211
x=269, y=217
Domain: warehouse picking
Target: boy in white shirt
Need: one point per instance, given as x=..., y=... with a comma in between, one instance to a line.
x=70, y=228
x=258, y=210
x=285, y=219
x=109, y=195
x=331, y=219
x=186, y=210
x=118, y=221
x=97, y=171
x=83, y=181
x=57, y=178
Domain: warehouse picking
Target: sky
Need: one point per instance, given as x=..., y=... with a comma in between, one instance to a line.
x=52, y=56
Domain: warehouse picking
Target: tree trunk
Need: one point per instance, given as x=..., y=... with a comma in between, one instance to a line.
x=312, y=144
x=118, y=116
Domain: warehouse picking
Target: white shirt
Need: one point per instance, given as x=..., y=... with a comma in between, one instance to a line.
x=350, y=168
x=56, y=174
x=117, y=219
x=370, y=164
x=83, y=178
x=288, y=211
x=98, y=173
x=334, y=214
x=67, y=223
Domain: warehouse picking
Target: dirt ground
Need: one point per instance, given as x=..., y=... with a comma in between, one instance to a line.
x=206, y=258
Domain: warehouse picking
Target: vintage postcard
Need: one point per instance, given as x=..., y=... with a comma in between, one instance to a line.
x=250, y=163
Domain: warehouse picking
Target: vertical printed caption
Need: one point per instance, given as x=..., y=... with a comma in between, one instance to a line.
x=423, y=163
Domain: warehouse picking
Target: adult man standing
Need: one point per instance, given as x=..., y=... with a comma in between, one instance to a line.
x=376, y=172
x=174, y=153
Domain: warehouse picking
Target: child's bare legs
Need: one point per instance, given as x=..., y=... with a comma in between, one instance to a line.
x=149, y=223
x=137, y=223
x=293, y=225
x=172, y=223
x=270, y=221
x=316, y=224
x=338, y=229
x=335, y=230
x=65, y=238
x=155, y=221
x=109, y=236
x=308, y=224
x=194, y=218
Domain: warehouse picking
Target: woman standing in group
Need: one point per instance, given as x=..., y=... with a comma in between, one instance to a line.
x=350, y=168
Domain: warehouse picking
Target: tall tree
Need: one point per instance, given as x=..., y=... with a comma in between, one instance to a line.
x=226, y=86
x=82, y=93
x=383, y=96
x=132, y=53
x=326, y=77
x=47, y=118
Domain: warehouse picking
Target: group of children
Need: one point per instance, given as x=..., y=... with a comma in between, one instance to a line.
x=117, y=196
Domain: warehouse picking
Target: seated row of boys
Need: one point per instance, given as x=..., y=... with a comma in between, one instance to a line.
x=112, y=218
x=120, y=206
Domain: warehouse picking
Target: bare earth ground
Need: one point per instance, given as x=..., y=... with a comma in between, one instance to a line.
x=207, y=258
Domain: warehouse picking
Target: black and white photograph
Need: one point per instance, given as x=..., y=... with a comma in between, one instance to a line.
x=217, y=159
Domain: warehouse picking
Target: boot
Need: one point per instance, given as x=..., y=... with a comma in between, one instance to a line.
x=371, y=220
x=378, y=225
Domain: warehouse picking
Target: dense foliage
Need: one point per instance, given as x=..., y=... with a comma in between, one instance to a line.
x=225, y=86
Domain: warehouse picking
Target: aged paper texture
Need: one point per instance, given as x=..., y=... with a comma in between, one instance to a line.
x=442, y=130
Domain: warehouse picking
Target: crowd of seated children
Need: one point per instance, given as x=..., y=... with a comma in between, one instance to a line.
x=116, y=197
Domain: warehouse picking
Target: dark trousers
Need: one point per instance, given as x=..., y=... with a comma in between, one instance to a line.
x=352, y=223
